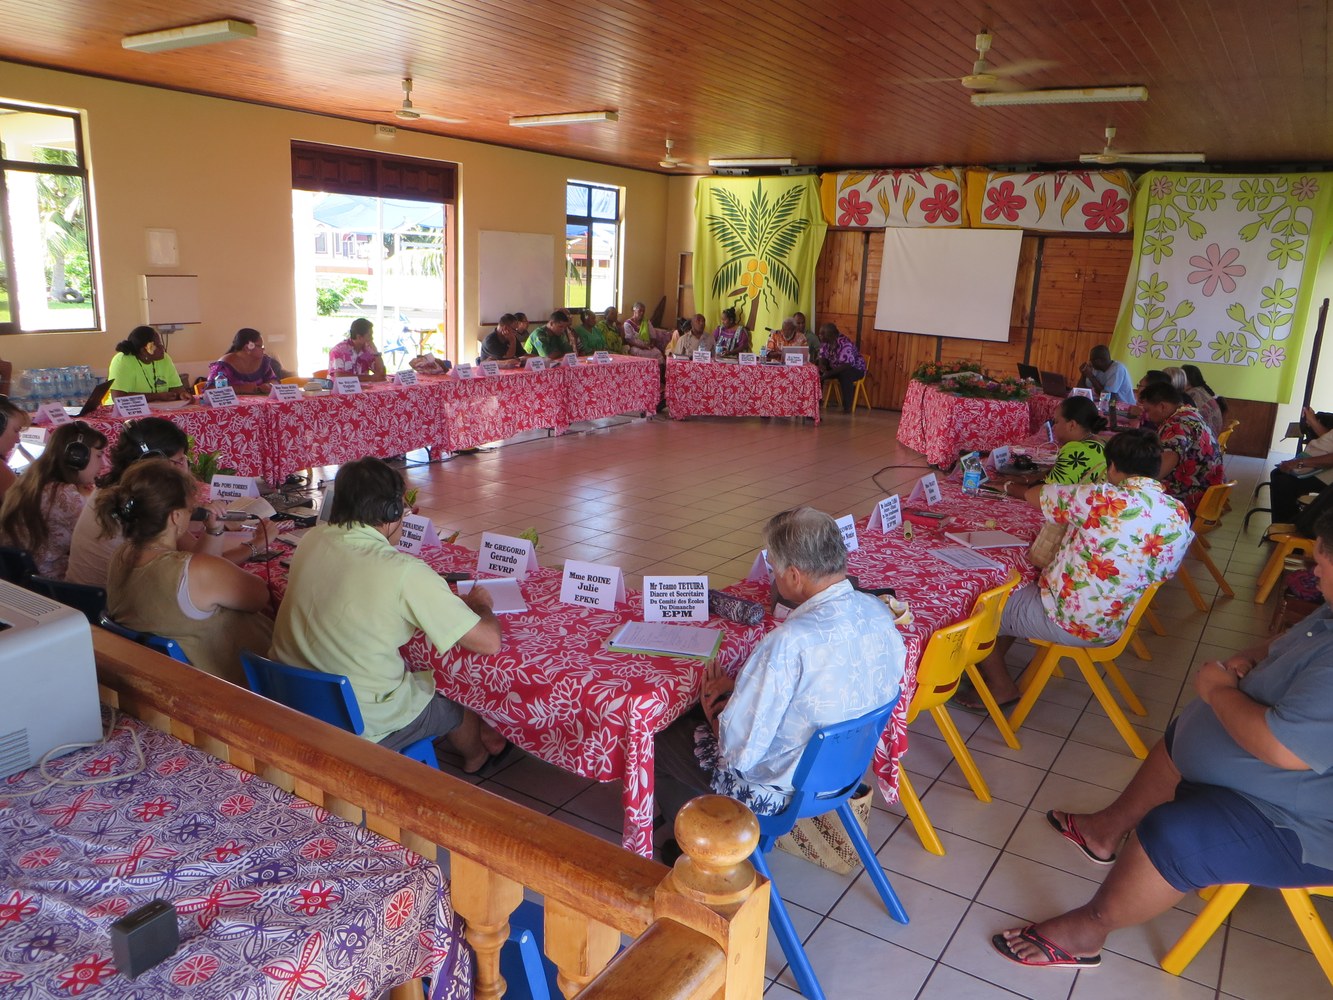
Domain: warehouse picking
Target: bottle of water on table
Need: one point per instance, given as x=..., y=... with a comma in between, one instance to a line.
x=971, y=463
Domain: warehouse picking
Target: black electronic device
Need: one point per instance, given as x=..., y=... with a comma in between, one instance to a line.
x=144, y=937
x=94, y=399
x=1029, y=372
x=1054, y=384
x=456, y=577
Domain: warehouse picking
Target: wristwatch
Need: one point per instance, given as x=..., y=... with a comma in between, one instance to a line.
x=221, y=531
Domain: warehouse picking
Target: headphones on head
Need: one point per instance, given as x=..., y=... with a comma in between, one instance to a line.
x=77, y=453
x=394, y=510
x=131, y=431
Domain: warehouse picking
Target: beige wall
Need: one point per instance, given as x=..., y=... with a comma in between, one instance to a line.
x=679, y=235
x=219, y=173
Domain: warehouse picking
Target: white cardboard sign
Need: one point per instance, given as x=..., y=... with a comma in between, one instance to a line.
x=675, y=598
x=533, y=365
x=1000, y=456
x=417, y=533
x=1085, y=393
x=491, y=368
x=602, y=357
x=760, y=571
x=233, y=487
x=131, y=406
x=749, y=359
x=847, y=525
x=702, y=357
x=793, y=360
x=406, y=377
x=346, y=385
x=888, y=514
x=927, y=488
x=34, y=436
x=226, y=396
x=284, y=393
x=504, y=555
x=51, y=415
x=570, y=360
x=463, y=371
x=592, y=585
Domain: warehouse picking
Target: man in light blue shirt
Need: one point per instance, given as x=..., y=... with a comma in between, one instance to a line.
x=1101, y=374
x=837, y=656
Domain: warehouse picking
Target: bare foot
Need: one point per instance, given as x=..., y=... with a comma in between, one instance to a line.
x=491, y=740
x=474, y=763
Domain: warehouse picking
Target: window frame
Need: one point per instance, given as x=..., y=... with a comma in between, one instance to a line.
x=14, y=325
x=588, y=221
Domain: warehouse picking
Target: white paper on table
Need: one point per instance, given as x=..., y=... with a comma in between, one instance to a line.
x=505, y=593
x=670, y=640
x=993, y=539
x=964, y=558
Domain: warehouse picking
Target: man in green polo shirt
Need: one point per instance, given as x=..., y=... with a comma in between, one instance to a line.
x=552, y=340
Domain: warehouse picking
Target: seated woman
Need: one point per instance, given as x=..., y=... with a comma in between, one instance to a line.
x=1239, y=790
x=245, y=366
x=91, y=548
x=39, y=512
x=154, y=585
x=731, y=338
x=1210, y=405
x=142, y=366
x=13, y=420
x=586, y=337
x=839, y=359
x=1082, y=455
x=609, y=327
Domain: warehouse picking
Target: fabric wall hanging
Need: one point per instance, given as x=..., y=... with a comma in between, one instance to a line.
x=1064, y=201
x=1222, y=277
x=758, y=240
x=876, y=199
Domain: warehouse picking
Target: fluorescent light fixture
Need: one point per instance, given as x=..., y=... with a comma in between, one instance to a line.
x=190, y=34
x=1083, y=95
x=569, y=118
x=754, y=161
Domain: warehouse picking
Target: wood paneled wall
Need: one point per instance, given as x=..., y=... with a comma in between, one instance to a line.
x=1077, y=283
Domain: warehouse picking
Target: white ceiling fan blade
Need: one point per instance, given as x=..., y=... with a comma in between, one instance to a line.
x=1021, y=66
x=443, y=119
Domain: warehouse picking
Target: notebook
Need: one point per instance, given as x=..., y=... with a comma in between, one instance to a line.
x=984, y=539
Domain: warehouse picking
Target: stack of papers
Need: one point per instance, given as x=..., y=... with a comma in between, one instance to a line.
x=984, y=539
x=658, y=639
x=506, y=597
x=962, y=558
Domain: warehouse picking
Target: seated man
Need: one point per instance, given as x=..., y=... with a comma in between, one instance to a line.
x=691, y=335
x=552, y=340
x=836, y=657
x=1191, y=459
x=502, y=343
x=811, y=338
x=357, y=354
x=1123, y=535
x=1308, y=472
x=1101, y=374
x=353, y=598
x=840, y=360
x=1239, y=790
x=786, y=336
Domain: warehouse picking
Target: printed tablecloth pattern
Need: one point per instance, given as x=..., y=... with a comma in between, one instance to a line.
x=939, y=425
x=720, y=389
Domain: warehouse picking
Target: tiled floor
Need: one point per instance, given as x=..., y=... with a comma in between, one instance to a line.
x=666, y=497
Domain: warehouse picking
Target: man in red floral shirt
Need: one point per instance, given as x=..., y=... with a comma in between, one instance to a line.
x=1121, y=536
x=1191, y=459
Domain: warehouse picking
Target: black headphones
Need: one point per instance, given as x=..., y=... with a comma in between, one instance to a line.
x=131, y=431
x=394, y=510
x=77, y=452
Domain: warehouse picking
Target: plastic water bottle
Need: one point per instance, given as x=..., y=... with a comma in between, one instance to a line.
x=971, y=463
x=221, y=381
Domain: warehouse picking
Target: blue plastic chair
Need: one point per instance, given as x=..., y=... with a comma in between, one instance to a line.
x=90, y=600
x=327, y=697
x=158, y=643
x=16, y=565
x=828, y=774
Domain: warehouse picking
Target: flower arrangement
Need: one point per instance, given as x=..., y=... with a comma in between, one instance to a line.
x=932, y=372
x=991, y=387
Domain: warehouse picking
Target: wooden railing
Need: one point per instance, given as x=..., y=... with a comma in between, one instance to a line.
x=699, y=930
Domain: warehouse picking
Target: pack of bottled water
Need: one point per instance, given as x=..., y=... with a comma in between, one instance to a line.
x=33, y=388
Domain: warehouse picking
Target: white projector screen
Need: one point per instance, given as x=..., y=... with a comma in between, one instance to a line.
x=948, y=282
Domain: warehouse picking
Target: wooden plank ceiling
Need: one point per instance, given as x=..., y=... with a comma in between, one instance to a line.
x=833, y=83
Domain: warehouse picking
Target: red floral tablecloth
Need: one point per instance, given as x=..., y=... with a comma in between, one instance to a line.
x=624, y=386
x=239, y=433
x=1041, y=408
x=274, y=897
x=939, y=425
x=720, y=389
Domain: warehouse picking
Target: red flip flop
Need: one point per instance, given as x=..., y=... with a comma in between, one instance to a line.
x=1052, y=955
x=1069, y=831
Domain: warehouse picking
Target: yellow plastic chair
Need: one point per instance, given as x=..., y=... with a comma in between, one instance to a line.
x=1225, y=434
x=1224, y=900
x=322, y=373
x=1287, y=544
x=1049, y=654
x=833, y=389
x=295, y=380
x=1207, y=518
x=937, y=679
x=990, y=607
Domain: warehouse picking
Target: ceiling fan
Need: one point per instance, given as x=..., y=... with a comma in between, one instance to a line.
x=985, y=77
x=407, y=112
x=1109, y=156
x=669, y=161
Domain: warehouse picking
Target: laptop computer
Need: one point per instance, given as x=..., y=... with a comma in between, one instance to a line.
x=802, y=352
x=1029, y=371
x=94, y=399
x=1054, y=384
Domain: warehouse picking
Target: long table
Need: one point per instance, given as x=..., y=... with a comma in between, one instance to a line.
x=274, y=897
x=940, y=425
x=260, y=437
x=722, y=389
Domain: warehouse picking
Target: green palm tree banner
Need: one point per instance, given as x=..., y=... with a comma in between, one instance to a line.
x=756, y=246
x=1222, y=276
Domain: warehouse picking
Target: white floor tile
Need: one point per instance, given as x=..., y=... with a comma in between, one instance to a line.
x=970, y=951
x=957, y=810
x=1119, y=977
x=851, y=963
x=950, y=984
x=961, y=870
x=1255, y=968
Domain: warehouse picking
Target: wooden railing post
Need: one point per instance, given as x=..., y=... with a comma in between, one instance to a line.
x=579, y=946
x=714, y=889
x=485, y=900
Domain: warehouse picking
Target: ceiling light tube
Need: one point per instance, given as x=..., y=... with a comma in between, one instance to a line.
x=1084, y=95
x=754, y=161
x=188, y=35
x=569, y=118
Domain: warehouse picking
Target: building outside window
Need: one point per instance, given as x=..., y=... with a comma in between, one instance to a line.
x=47, y=271
x=592, y=245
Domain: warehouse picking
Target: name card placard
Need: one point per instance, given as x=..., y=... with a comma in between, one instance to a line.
x=51, y=415
x=406, y=377
x=702, y=357
x=793, y=360
x=346, y=385
x=417, y=533
x=463, y=371
x=761, y=571
x=1085, y=393
x=491, y=368
x=888, y=515
x=602, y=357
x=570, y=361
x=34, y=435
x=226, y=396
x=675, y=598
x=131, y=406
x=232, y=487
x=927, y=488
x=592, y=585
x=533, y=365
x=504, y=555
x=847, y=525
x=749, y=359
x=1000, y=456
x=284, y=393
